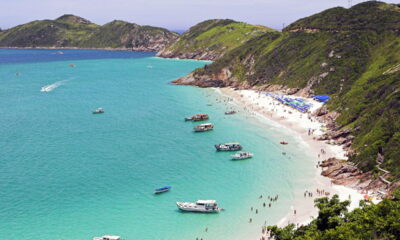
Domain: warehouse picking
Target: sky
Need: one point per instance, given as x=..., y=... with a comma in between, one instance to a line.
x=170, y=14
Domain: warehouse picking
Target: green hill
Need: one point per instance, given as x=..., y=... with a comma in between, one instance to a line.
x=73, y=31
x=351, y=54
x=209, y=40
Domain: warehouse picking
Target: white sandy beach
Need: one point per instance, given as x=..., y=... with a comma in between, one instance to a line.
x=268, y=108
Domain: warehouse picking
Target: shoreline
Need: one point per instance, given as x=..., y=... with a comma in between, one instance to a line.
x=268, y=109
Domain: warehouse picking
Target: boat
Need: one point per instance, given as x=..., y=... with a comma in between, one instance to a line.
x=242, y=155
x=198, y=117
x=230, y=112
x=46, y=88
x=204, y=127
x=161, y=190
x=98, y=110
x=234, y=146
x=107, y=237
x=204, y=206
x=283, y=143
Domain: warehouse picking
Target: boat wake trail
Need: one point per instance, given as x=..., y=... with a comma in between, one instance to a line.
x=51, y=87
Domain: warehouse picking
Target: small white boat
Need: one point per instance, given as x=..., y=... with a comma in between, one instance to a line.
x=98, y=110
x=204, y=206
x=107, y=237
x=242, y=155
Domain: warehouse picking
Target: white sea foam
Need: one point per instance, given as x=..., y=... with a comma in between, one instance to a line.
x=51, y=87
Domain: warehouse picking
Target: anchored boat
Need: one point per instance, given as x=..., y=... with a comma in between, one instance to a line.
x=107, y=237
x=98, y=110
x=228, y=147
x=204, y=127
x=242, y=155
x=204, y=206
x=162, y=190
x=197, y=117
x=230, y=112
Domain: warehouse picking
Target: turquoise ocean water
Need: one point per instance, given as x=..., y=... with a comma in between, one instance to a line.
x=68, y=174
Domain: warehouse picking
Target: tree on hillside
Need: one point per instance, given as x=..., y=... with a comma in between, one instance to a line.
x=334, y=222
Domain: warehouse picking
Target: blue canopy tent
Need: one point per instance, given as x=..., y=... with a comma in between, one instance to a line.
x=322, y=98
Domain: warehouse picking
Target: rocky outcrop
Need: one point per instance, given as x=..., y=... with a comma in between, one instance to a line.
x=343, y=173
x=199, y=82
x=222, y=79
x=198, y=55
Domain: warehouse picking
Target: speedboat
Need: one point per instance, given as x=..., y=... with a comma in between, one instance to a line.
x=204, y=206
x=98, y=110
x=242, y=155
x=107, y=237
x=204, y=127
x=46, y=89
x=197, y=117
x=228, y=147
x=230, y=112
x=161, y=190
x=283, y=143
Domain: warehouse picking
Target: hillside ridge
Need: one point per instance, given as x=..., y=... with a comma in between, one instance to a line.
x=211, y=39
x=70, y=31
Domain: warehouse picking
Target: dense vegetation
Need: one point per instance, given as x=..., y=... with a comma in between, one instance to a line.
x=212, y=38
x=334, y=222
x=351, y=54
x=73, y=31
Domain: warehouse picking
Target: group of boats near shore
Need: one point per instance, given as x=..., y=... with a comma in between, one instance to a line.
x=200, y=206
x=207, y=206
x=232, y=146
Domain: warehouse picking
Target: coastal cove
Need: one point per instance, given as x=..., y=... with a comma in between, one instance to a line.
x=68, y=174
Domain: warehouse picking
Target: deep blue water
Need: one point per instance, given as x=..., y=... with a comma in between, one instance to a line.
x=15, y=56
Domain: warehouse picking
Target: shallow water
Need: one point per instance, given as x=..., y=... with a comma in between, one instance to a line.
x=68, y=174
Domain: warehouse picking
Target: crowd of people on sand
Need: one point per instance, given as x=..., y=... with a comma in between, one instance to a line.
x=319, y=192
x=266, y=234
